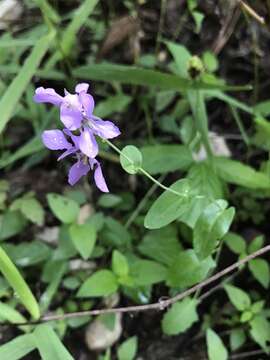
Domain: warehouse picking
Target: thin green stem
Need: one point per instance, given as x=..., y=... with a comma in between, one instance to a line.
x=144, y=172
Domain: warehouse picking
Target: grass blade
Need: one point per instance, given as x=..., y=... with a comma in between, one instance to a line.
x=69, y=36
x=18, y=284
x=49, y=345
x=20, y=82
x=17, y=348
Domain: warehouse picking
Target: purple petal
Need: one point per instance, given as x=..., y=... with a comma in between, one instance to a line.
x=55, y=140
x=98, y=176
x=71, y=112
x=87, y=143
x=81, y=87
x=99, y=179
x=67, y=153
x=76, y=171
x=47, y=96
x=104, y=129
x=88, y=103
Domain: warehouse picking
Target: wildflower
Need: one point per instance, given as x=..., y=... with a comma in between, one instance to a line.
x=56, y=140
x=81, y=127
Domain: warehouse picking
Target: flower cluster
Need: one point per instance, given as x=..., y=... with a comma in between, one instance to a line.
x=80, y=129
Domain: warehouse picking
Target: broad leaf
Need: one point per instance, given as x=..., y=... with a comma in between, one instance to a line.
x=260, y=331
x=215, y=347
x=146, y=272
x=131, y=159
x=211, y=226
x=128, y=349
x=239, y=298
x=158, y=159
x=101, y=283
x=161, y=245
x=168, y=206
x=180, y=317
x=260, y=270
x=65, y=209
x=187, y=270
x=84, y=238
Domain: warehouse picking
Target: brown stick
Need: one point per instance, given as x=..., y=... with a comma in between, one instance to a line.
x=252, y=12
x=161, y=304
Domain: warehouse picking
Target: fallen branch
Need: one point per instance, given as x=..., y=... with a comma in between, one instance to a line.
x=161, y=304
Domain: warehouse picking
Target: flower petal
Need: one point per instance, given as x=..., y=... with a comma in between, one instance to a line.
x=67, y=153
x=87, y=143
x=98, y=176
x=76, y=171
x=81, y=87
x=47, y=96
x=55, y=140
x=70, y=117
x=104, y=129
x=88, y=103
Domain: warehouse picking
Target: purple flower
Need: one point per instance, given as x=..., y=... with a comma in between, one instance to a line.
x=56, y=140
x=78, y=136
x=76, y=111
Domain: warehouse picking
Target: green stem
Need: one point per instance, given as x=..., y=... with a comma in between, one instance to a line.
x=144, y=172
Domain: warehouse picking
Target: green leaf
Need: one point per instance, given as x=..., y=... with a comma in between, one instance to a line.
x=210, y=61
x=260, y=270
x=260, y=331
x=109, y=200
x=18, y=284
x=215, y=347
x=181, y=57
x=256, y=244
x=203, y=178
x=49, y=345
x=239, y=298
x=168, y=206
x=28, y=253
x=101, y=283
x=128, y=349
x=15, y=90
x=18, y=348
x=147, y=272
x=114, y=233
x=237, y=173
x=11, y=223
x=210, y=227
x=112, y=104
x=237, y=339
x=161, y=245
x=65, y=209
x=84, y=238
x=131, y=75
x=131, y=159
x=30, y=208
x=119, y=264
x=10, y=314
x=33, y=211
x=187, y=270
x=193, y=210
x=180, y=317
x=158, y=159
x=235, y=243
